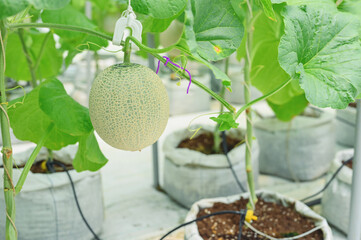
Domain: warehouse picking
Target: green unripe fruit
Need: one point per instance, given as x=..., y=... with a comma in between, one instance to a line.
x=128, y=106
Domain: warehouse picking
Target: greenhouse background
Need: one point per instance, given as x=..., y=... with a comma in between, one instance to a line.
x=183, y=119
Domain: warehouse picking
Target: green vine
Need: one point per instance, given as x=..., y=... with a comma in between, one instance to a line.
x=61, y=26
x=9, y=191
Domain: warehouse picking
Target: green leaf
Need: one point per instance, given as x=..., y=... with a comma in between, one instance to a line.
x=71, y=40
x=289, y=110
x=151, y=24
x=48, y=4
x=11, y=7
x=68, y=115
x=226, y=121
x=89, y=156
x=219, y=74
x=266, y=72
x=322, y=50
x=268, y=10
x=68, y=16
x=329, y=4
x=212, y=29
x=160, y=9
x=351, y=6
x=240, y=8
x=50, y=63
x=30, y=123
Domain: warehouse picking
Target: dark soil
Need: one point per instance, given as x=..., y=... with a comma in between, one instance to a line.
x=353, y=105
x=273, y=219
x=204, y=143
x=38, y=167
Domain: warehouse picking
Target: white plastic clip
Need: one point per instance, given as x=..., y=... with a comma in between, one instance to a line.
x=127, y=20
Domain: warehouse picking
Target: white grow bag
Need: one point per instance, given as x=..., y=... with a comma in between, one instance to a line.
x=46, y=208
x=345, y=126
x=196, y=100
x=302, y=149
x=191, y=231
x=190, y=175
x=337, y=197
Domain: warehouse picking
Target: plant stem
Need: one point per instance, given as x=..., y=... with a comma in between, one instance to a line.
x=30, y=162
x=175, y=69
x=154, y=53
x=28, y=58
x=9, y=191
x=61, y=26
x=41, y=52
x=127, y=50
x=248, y=105
x=247, y=96
x=216, y=134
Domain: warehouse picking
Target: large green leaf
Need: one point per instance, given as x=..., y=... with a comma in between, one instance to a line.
x=48, y=4
x=329, y=4
x=11, y=7
x=70, y=40
x=322, y=50
x=67, y=114
x=290, y=109
x=16, y=64
x=351, y=6
x=151, y=24
x=30, y=123
x=268, y=10
x=213, y=30
x=266, y=73
x=160, y=9
x=219, y=74
x=89, y=156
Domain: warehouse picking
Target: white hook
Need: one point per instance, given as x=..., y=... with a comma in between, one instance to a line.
x=127, y=21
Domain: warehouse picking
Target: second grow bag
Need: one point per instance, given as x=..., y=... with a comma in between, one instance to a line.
x=300, y=150
x=339, y=193
x=190, y=175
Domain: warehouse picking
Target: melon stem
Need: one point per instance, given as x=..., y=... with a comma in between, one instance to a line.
x=127, y=50
x=247, y=97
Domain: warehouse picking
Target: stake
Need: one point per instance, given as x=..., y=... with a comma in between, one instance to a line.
x=354, y=231
x=9, y=189
x=151, y=65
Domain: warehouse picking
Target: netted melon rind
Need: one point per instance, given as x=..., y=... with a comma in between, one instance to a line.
x=128, y=106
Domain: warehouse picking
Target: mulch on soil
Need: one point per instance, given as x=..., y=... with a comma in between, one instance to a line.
x=273, y=219
x=204, y=143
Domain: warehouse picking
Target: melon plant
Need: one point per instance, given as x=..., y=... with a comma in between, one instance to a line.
x=128, y=106
x=128, y=103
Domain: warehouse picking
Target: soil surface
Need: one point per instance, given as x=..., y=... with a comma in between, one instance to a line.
x=38, y=167
x=273, y=219
x=204, y=143
x=353, y=105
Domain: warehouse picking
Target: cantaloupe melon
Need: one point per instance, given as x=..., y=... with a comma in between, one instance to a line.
x=128, y=106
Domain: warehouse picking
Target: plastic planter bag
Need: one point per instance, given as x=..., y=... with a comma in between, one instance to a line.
x=190, y=175
x=337, y=197
x=178, y=104
x=45, y=207
x=345, y=126
x=300, y=150
x=191, y=231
